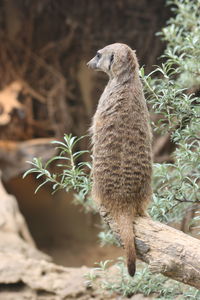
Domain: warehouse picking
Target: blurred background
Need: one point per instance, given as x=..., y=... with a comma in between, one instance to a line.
x=46, y=90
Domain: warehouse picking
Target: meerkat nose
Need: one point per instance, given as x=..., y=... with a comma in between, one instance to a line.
x=91, y=64
x=88, y=64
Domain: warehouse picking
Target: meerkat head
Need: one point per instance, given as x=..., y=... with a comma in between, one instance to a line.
x=117, y=60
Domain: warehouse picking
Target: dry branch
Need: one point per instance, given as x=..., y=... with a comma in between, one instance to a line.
x=166, y=250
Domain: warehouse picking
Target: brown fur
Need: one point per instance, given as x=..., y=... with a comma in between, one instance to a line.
x=121, y=136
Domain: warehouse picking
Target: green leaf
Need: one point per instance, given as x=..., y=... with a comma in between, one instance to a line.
x=39, y=187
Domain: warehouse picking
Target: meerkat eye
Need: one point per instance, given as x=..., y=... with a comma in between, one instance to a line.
x=98, y=55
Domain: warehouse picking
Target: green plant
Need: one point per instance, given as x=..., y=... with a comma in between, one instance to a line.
x=170, y=90
x=118, y=281
x=72, y=177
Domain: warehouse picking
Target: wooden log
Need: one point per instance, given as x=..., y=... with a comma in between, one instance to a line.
x=167, y=250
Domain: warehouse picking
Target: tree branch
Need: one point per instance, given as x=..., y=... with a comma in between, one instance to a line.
x=166, y=250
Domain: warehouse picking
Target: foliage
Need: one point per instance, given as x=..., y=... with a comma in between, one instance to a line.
x=172, y=91
x=73, y=176
x=117, y=280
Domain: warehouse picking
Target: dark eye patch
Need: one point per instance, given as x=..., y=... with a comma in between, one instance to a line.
x=98, y=55
x=111, y=60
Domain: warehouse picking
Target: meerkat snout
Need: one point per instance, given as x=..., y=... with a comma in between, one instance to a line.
x=102, y=61
x=93, y=63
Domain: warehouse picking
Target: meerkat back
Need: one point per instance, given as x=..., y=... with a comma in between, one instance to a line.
x=121, y=137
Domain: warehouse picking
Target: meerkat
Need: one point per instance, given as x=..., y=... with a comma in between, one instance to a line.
x=121, y=138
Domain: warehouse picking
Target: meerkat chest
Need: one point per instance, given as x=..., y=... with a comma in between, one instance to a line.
x=104, y=103
x=99, y=123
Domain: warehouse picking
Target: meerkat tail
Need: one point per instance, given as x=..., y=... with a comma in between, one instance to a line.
x=127, y=236
x=131, y=255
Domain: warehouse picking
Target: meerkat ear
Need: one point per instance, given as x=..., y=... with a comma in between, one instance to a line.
x=134, y=58
x=111, y=60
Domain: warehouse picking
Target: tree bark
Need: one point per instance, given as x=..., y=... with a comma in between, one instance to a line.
x=167, y=250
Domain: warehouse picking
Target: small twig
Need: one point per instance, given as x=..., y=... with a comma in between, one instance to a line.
x=187, y=201
x=172, y=207
x=179, y=201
